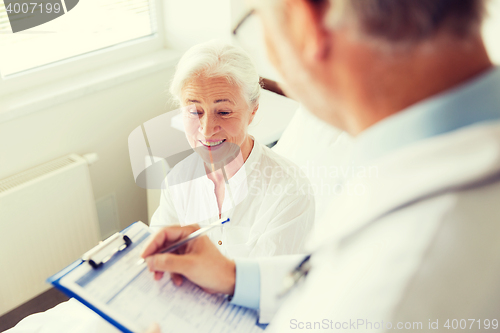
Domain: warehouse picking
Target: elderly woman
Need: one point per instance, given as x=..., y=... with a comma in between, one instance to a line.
x=230, y=175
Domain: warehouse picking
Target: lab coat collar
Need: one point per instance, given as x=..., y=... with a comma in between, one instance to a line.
x=436, y=165
x=474, y=101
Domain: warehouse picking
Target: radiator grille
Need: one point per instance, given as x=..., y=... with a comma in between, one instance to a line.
x=25, y=177
x=48, y=219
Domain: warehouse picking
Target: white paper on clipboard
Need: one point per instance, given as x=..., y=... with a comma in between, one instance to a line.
x=128, y=294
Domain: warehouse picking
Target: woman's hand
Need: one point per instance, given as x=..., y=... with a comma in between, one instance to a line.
x=198, y=260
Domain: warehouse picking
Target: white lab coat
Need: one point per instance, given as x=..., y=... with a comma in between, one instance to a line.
x=274, y=205
x=422, y=244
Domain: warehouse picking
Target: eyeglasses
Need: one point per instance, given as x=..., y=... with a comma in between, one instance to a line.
x=250, y=44
x=243, y=19
x=252, y=11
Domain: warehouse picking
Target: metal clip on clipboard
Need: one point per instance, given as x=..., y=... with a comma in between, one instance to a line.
x=103, y=252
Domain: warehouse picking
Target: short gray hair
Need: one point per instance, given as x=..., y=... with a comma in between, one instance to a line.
x=407, y=20
x=219, y=60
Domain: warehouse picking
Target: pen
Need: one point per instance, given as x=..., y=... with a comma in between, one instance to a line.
x=298, y=274
x=192, y=236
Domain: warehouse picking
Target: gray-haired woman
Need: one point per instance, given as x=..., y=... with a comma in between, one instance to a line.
x=268, y=201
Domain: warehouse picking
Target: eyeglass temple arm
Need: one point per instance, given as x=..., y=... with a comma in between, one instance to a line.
x=243, y=19
x=272, y=86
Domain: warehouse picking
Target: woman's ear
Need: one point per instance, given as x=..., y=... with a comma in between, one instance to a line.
x=254, y=111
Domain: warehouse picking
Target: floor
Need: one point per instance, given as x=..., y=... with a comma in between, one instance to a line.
x=42, y=302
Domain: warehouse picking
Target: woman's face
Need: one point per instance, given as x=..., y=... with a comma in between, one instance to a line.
x=216, y=119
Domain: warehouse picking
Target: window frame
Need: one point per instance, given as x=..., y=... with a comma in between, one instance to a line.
x=80, y=64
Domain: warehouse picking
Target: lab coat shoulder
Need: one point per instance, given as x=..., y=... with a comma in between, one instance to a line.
x=424, y=171
x=422, y=240
x=457, y=275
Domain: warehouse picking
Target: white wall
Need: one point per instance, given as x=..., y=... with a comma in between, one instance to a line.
x=189, y=22
x=491, y=31
x=99, y=122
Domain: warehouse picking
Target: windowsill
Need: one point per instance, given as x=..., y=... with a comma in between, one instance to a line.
x=61, y=91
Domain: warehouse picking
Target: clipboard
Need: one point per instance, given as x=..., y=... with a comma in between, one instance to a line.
x=109, y=281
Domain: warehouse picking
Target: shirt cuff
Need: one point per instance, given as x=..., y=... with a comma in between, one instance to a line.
x=247, y=286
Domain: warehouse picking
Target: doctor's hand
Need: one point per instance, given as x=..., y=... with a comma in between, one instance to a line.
x=198, y=260
x=154, y=328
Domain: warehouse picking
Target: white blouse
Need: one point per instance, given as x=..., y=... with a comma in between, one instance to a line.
x=274, y=212
x=271, y=208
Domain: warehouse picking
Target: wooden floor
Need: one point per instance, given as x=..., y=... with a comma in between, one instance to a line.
x=42, y=302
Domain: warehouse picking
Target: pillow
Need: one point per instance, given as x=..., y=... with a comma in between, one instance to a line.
x=321, y=151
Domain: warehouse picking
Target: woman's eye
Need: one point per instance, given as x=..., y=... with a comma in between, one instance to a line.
x=224, y=113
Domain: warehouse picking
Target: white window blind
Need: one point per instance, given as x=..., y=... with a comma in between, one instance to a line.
x=91, y=25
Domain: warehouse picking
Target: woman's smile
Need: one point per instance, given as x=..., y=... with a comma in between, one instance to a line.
x=211, y=143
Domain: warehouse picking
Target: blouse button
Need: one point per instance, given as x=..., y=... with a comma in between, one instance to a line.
x=220, y=242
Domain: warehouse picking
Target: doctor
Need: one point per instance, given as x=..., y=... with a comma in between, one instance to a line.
x=412, y=81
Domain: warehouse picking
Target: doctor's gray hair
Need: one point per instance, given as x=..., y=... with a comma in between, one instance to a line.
x=216, y=59
x=406, y=20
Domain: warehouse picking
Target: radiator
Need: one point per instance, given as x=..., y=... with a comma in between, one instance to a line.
x=47, y=220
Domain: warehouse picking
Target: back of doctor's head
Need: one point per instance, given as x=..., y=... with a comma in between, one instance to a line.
x=406, y=21
x=217, y=59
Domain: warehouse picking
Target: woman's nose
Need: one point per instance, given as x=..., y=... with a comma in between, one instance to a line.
x=209, y=126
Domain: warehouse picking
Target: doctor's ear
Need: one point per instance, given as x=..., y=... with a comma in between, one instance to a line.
x=307, y=28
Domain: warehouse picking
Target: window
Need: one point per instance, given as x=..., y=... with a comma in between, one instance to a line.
x=91, y=25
